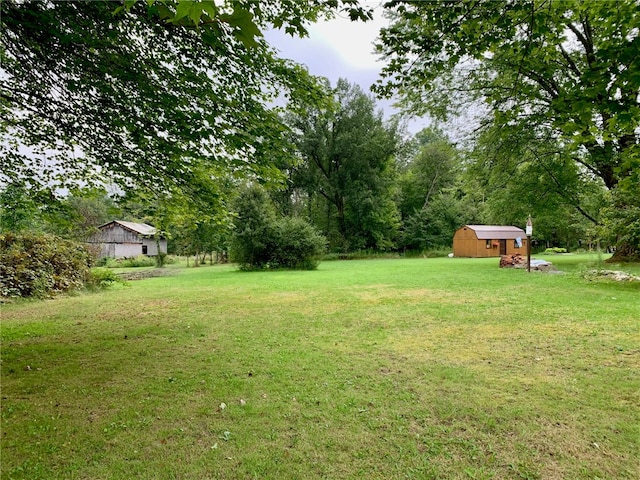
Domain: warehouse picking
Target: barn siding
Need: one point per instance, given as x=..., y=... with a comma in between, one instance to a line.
x=118, y=242
x=117, y=234
x=465, y=244
x=128, y=250
x=152, y=247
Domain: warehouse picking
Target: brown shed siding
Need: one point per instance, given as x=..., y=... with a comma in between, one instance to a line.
x=481, y=241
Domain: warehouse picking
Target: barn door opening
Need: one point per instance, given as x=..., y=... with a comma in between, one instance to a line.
x=503, y=247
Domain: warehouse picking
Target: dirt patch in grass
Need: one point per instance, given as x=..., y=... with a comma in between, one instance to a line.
x=142, y=274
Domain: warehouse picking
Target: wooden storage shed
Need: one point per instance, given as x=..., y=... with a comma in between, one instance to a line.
x=489, y=241
x=120, y=239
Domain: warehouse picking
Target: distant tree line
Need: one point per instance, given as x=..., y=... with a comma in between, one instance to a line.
x=357, y=181
x=170, y=104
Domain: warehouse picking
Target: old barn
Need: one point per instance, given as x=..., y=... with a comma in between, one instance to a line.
x=489, y=241
x=120, y=239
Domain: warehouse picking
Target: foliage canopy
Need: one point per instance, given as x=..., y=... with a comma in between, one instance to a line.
x=347, y=168
x=161, y=94
x=566, y=73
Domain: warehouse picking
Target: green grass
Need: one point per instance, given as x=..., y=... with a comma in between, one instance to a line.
x=411, y=368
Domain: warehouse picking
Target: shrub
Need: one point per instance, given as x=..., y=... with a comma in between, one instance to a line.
x=555, y=250
x=106, y=262
x=261, y=240
x=100, y=278
x=39, y=265
x=296, y=245
x=169, y=259
x=139, y=261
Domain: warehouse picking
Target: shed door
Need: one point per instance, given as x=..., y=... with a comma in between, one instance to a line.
x=503, y=247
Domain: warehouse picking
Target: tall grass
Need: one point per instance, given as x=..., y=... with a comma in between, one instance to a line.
x=398, y=368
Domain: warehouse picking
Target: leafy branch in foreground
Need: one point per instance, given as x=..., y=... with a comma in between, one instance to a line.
x=134, y=95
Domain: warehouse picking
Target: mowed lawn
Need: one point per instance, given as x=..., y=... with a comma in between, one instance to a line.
x=377, y=369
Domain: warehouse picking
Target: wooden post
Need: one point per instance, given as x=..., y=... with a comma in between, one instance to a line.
x=529, y=232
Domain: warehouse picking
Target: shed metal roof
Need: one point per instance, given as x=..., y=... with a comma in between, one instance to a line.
x=141, y=228
x=496, y=232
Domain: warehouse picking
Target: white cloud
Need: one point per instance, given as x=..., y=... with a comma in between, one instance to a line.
x=351, y=41
x=340, y=48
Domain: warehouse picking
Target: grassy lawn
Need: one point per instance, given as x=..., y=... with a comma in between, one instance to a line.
x=385, y=369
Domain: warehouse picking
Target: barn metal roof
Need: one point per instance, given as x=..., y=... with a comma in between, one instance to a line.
x=496, y=232
x=141, y=228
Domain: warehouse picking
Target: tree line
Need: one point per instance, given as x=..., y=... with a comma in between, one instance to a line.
x=357, y=178
x=172, y=102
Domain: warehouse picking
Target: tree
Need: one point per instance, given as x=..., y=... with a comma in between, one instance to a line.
x=192, y=228
x=433, y=226
x=432, y=169
x=262, y=239
x=25, y=208
x=253, y=228
x=85, y=210
x=165, y=94
x=430, y=211
x=538, y=178
x=18, y=210
x=621, y=223
x=564, y=71
x=347, y=170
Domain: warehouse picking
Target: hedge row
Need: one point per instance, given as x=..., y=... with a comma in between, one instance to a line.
x=39, y=265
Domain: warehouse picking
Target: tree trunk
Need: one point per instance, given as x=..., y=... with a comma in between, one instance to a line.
x=625, y=253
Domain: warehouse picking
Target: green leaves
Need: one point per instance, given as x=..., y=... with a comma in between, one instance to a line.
x=347, y=169
x=564, y=71
x=245, y=29
x=137, y=99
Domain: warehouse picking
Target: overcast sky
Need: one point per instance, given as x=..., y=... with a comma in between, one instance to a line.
x=340, y=48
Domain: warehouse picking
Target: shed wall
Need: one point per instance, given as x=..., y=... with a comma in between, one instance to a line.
x=118, y=242
x=466, y=244
x=127, y=250
x=152, y=247
x=117, y=234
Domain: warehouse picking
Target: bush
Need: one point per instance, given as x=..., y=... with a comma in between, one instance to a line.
x=555, y=250
x=39, y=265
x=261, y=240
x=100, y=278
x=296, y=245
x=139, y=261
x=107, y=262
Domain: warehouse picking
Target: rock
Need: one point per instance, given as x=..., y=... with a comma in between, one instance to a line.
x=542, y=265
x=615, y=275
